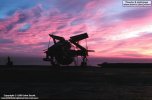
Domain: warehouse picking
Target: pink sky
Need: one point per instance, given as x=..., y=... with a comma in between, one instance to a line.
x=114, y=30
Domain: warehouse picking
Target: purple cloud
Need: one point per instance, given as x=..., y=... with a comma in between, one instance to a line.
x=6, y=41
x=71, y=6
x=135, y=13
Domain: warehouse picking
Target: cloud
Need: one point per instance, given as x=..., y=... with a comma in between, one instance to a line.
x=24, y=28
x=6, y=41
x=78, y=32
x=73, y=6
x=9, y=27
x=61, y=27
x=132, y=54
x=77, y=21
x=135, y=13
x=21, y=18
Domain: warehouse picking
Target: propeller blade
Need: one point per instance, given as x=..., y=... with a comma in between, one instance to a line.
x=91, y=50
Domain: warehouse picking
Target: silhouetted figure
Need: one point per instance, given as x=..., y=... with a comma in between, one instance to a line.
x=9, y=62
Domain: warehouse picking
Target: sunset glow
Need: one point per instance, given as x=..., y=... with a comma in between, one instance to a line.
x=114, y=30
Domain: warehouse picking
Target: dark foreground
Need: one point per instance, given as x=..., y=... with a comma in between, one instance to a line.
x=105, y=83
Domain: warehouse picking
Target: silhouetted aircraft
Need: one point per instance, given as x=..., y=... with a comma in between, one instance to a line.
x=61, y=52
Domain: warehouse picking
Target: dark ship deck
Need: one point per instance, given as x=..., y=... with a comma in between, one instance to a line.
x=109, y=82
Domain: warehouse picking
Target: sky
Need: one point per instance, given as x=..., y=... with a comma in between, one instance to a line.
x=114, y=31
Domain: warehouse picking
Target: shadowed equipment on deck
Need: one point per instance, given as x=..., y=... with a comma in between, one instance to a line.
x=61, y=52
